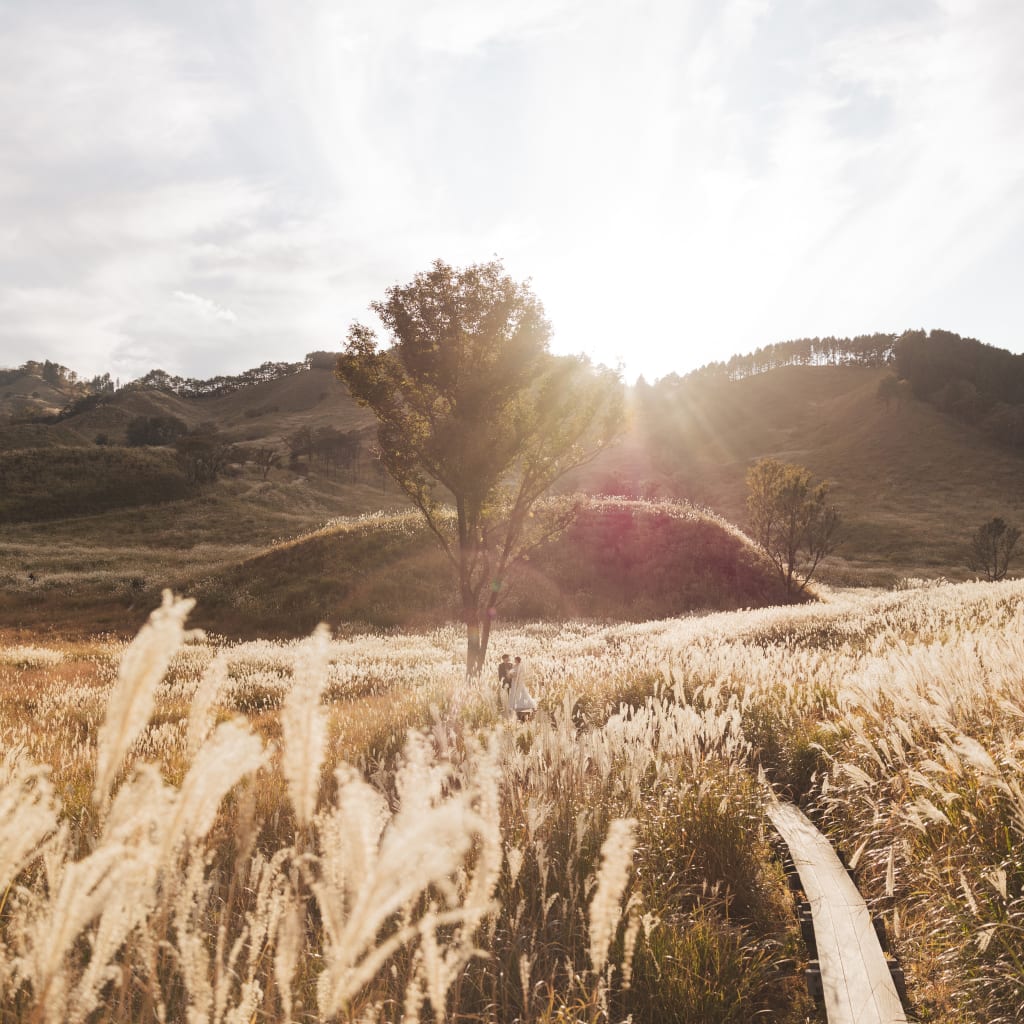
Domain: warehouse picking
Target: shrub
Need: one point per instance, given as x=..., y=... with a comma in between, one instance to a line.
x=154, y=430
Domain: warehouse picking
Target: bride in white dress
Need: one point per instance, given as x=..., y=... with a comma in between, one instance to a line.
x=520, y=700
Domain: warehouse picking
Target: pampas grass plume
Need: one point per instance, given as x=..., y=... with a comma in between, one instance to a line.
x=304, y=727
x=616, y=860
x=132, y=698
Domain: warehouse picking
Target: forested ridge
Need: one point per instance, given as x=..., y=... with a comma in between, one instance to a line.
x=973, y=382
x=862, y=350
x=960, y=375
x=977, y=383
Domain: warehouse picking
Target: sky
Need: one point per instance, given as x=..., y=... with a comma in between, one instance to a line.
x=203, y=186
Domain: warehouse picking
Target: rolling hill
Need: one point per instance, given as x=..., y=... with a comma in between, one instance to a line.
x=103, y=525
x=911, y=482
x=25, y=392
x=267, y=411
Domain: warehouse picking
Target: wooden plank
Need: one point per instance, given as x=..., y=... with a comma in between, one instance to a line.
x=854, y=973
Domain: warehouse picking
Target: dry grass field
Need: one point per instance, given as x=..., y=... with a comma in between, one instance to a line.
x=347, y=829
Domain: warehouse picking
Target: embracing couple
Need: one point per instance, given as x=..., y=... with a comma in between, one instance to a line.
x=515, y=696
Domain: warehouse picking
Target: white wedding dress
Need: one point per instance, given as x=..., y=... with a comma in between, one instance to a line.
x=520, y=701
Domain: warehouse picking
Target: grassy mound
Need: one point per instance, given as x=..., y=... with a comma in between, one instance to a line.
x=620, y=559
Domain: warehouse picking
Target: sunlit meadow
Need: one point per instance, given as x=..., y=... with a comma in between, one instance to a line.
x=350, y=830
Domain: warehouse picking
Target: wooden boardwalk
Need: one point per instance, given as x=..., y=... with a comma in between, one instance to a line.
x=854, y=974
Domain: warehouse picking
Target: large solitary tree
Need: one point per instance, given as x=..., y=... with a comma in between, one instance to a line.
x=477, y=419
x=791, y=520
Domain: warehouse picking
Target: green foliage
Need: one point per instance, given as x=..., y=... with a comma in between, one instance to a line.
x=863, y=350
x=722, y=923
x=215, y=387
x=965, y=378
x=321, y=360
x=471, y=406
x=791, y=520
x=721, y=847
x=788, y=746
x=992, y=547
x=889, y=390
x=265, y=458
x=53, y=373
x=84, y=404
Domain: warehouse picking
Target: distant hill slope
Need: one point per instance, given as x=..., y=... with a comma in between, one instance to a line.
x=620, y=559
x=104, y=571
x=25, y=393
x=911, y=482
x=77, y=466
x=267, y=412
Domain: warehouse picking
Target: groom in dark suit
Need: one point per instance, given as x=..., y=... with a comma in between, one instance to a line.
x=505, y=671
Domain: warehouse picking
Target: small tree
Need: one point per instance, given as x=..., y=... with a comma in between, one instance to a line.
x=300, y=444
x=473, y=408
x=266, y=458
x=791, y=520
x=204, y=454
x=992, y=547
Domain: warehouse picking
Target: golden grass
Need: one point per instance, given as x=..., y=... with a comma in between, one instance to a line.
x=349, y=828
x=378, y=840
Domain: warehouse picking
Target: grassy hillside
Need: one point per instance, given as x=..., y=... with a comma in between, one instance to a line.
x=619, y=560
x=911, y=482
x=52, y=483
x=103, y=571
x=15, y=436
x=27, y=394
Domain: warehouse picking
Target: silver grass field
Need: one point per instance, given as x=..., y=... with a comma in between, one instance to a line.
x=192, y=830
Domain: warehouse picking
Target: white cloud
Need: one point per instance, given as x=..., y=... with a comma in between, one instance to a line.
x=207, y=308
x=681, y=182
x=74, y=88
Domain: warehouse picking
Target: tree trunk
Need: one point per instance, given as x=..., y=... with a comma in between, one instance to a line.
x=485, y=637
x=476, y=644
x=478, y=634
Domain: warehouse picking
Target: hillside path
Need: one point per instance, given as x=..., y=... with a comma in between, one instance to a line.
x=854, y=975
